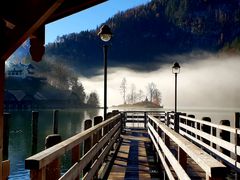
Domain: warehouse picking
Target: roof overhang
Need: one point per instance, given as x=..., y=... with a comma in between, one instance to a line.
x=24, y=19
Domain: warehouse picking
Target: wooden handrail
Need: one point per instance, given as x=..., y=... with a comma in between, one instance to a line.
x=45, y=157
x=182, y=175
x=211, y=166
x=222, y=127
x=75, y=170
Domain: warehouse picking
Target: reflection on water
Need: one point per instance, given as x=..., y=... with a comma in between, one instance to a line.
x=20, y=140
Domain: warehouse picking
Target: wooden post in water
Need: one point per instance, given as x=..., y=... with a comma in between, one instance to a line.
x=87, y=144
x=35, y=115
x=7, y=117
x=53, y=169
x=55, y=121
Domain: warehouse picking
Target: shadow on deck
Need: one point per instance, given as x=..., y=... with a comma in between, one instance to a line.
x=135, y=158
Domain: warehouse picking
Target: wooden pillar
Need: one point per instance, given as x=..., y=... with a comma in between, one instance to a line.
x=37, y=41
x=2, y=79
x=34, y=131
x=55, y=121
x=52, y=169
x=87, y=144
x=7, y=117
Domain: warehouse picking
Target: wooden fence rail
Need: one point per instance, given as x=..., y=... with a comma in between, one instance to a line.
x=160, y=135
x=195, y=134
x=38, y=163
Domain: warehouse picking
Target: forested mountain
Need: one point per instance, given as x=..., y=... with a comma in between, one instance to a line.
x=147, y=35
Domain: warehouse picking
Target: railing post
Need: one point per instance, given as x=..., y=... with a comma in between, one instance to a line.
x=55, y=122
x=124, y=120
x=34, y=131
x=75, y=156
x=176, y=122
x=167, y=143
x=87, y=143
x=52, y=169
x=145, y=120
x=96, y=137
x=225, y=135
x=191, y=124
x=206, y=129
x=168, y=119
x=182, y=158
x=237, y=140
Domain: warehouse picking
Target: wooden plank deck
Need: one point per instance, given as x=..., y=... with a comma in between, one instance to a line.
x=135, y=158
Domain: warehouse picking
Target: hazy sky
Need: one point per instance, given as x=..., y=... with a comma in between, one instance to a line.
x=89, y=18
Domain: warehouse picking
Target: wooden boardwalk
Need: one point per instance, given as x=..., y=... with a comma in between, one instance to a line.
x=135, y=158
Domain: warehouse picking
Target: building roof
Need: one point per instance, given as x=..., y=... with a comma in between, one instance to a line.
x=20, y=20
x=19, y=94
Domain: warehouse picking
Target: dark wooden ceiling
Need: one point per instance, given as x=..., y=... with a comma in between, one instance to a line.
x=23, y=19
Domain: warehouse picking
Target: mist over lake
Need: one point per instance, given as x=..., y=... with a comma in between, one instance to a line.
x=208, y=82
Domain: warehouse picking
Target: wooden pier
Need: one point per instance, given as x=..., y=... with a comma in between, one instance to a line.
x=142, y=145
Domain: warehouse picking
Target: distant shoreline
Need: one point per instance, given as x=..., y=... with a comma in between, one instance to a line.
x=139, y=105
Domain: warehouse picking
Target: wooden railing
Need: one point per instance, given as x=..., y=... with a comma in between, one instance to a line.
x=227, y=151
x=106, y=133
x=161, y=134
x=185, y=134
x=138, y=119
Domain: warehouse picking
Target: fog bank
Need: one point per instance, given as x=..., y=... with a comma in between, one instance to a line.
x=204, y=83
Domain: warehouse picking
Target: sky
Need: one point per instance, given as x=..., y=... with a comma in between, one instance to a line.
x=88, y=19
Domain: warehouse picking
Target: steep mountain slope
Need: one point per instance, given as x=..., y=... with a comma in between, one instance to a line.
x=147, y=35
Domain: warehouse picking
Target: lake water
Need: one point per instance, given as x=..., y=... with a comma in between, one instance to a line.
x=20, y=141
x=70, y=123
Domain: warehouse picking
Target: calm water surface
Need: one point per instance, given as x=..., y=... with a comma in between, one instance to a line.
x=70, y=123
x=20, y=141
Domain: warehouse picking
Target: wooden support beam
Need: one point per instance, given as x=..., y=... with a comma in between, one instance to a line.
x=37, y=41
x=6, y=169
x=22, y=30
x=2, y=79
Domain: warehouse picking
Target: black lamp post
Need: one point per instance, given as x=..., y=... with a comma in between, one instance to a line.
x=105, y=34
x=176, y=71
